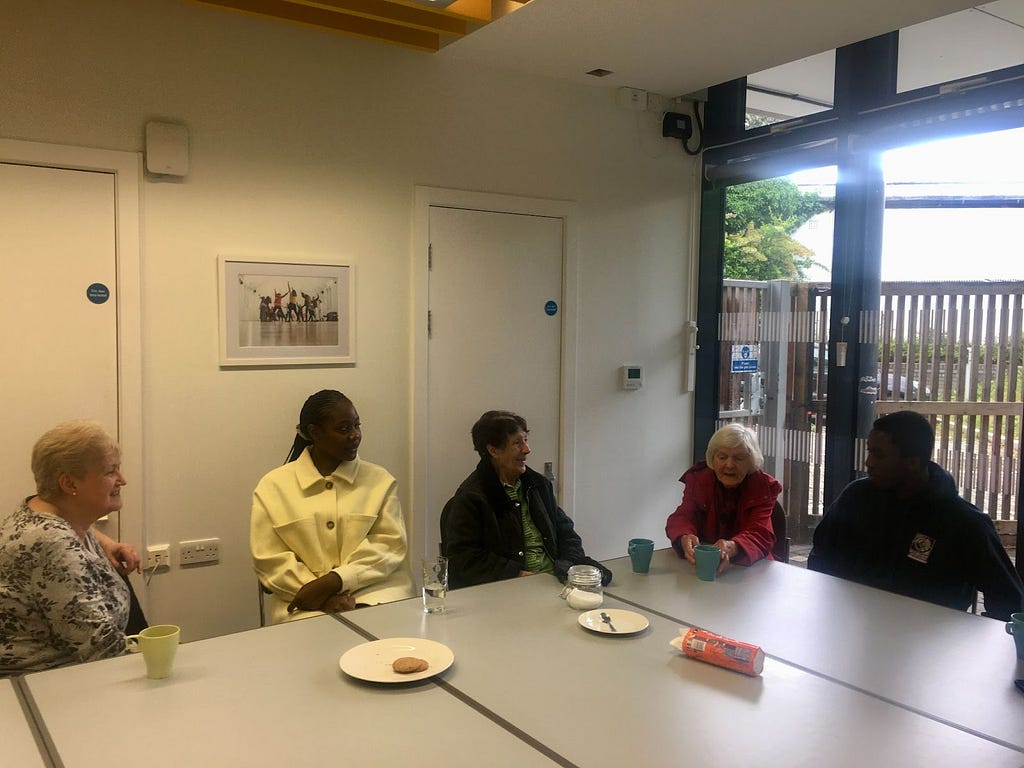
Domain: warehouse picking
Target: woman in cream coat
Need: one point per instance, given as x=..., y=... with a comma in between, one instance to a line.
x=327, y=531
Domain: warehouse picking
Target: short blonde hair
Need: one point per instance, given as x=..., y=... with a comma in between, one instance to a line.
x=72, y=448
x=734, y=436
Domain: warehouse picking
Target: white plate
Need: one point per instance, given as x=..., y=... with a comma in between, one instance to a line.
x=372, y=661
x=626, y=622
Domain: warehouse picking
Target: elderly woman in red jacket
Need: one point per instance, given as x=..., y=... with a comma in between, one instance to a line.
x=727, y=501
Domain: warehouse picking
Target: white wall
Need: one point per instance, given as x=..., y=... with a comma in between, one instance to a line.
x=307, y=142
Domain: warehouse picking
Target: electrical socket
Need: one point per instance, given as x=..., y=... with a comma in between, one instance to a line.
x=631, y=98
x=198, y=551
x=656, y=102
x=158, y=556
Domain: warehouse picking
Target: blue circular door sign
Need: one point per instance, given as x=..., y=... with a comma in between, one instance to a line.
x=97, y=293
x=551, y=308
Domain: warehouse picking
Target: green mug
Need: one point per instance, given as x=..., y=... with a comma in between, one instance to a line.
x=640, y=552
x=708, y=558
x=1015, y=627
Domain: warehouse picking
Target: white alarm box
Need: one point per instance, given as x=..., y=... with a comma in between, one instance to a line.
x=167, y=149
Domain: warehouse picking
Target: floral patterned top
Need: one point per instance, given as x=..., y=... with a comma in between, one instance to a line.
x=61, y=601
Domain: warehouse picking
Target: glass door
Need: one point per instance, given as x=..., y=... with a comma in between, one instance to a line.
x=917, y=301
x=774, y=329
x=948, y=332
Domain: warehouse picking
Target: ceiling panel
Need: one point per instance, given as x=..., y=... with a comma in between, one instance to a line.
x=667, y=47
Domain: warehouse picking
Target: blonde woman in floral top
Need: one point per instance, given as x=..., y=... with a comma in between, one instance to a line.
x=61, y=599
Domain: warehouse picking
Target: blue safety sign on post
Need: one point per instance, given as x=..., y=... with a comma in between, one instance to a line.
x=551, y=308
x=744, y=358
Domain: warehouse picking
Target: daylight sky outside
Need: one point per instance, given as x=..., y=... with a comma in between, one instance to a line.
x=943, y=243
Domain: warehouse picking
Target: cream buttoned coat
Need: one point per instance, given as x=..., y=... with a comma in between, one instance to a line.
x=304, y=525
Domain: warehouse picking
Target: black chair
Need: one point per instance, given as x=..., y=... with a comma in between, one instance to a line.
x=262, y=601
x=442, y=546
x=781, y=549
x=136, y=618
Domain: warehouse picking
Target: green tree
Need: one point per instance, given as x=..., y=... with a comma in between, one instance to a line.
x=759, y=119
x=760, y=219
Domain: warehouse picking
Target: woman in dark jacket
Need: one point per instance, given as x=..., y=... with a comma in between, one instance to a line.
x=503, y=520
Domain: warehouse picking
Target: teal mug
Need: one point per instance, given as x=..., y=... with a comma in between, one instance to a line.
x=1015, y=627
x=708, y=558
x=640, y=552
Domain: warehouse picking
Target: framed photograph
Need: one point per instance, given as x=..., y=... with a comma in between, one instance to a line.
x=282, y=312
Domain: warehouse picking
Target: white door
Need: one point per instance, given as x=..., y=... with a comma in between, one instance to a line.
x=57, y=238
x=495, y=308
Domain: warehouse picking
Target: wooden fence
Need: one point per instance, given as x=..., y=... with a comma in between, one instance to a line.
x=949, y=350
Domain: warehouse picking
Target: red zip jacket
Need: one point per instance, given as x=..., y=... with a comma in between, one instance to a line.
x=700, y=511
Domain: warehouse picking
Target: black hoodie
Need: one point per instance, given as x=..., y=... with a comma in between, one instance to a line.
x=934, y=546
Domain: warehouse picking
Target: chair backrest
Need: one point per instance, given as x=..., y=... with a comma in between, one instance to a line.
x=443, y=545
x=262, y=602
x=781, y=549
x=136, y=618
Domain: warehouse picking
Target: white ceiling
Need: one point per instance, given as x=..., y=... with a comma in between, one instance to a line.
x=678, y=47
x=980, y=39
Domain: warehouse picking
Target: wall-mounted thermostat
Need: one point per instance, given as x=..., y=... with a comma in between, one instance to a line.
x=632, y=376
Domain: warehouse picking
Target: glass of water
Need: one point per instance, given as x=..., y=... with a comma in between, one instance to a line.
x=435, y=584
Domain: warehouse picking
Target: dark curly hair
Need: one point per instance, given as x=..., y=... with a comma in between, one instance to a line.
x=494, y=428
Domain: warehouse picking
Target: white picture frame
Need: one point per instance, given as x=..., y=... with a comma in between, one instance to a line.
x=311, y=323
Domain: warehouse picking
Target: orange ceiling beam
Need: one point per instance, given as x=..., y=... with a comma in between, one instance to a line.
x=325, y=18
x=417, y=17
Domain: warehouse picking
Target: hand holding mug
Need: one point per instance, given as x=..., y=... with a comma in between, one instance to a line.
x=688, y=542
x=729, y=551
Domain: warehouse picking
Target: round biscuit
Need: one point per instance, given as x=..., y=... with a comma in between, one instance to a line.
x=407, y=665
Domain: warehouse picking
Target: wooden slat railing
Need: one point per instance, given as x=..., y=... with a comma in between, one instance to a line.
x=949, y=350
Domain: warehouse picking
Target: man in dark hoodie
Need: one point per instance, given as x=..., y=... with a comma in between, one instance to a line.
x=904, y=528
x=503, y=521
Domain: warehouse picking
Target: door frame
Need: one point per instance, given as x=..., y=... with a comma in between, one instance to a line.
x=425, y=198
x=126, y=168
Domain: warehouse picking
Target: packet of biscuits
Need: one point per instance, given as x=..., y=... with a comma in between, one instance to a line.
x=720, y=650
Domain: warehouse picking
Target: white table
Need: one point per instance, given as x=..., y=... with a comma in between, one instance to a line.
x=953, y=666
x=18, y=745
x=598, y=700
x=267, y=697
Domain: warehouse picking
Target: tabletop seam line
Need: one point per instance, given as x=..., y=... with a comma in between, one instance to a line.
x=508, y=726
x=906, y=707
x=849, y=686
x=44, y=742
x=473, y=704
x=365, y=634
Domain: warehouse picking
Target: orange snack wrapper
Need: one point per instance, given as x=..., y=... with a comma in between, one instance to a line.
x=723, y=651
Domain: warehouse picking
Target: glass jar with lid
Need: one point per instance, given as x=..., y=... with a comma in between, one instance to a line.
x=583, y=589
